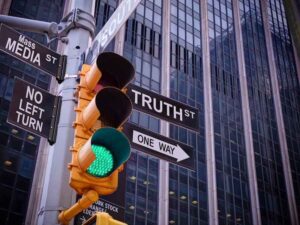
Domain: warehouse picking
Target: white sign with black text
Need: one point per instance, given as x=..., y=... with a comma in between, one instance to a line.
x=111, y=28
x=31, y=52
x=160, y=146
x=164, y=108
x=155, y=144
x=34, y=110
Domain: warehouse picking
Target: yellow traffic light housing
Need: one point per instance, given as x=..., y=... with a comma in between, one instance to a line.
x=99, y=148
x=102, y=218
x=111, y=106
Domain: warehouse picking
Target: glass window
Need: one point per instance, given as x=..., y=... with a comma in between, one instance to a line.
x=9, y=89
x=157, y=19
x=7, y=178
x=3, y=81
x=15, y=143
x=140, y=9
x=20, y=202
x=181, y=33
x=158, y=3
x=174, y=28
x=155, y=73
x=16, y=219
x=5, y=196
x=149, y=14
x=181, y=15
x=189, y=20
x=9, y=160
x=23, y=183
x=3, y=138
x=26, y=167
x=30, y=148
x=173, y=10
x=146, y=69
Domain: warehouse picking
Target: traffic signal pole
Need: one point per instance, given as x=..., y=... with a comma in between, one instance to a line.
x=87, y=199
x=56, y=192
x=100, y=148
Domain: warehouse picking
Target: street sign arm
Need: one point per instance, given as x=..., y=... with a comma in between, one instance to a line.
x=51, y=28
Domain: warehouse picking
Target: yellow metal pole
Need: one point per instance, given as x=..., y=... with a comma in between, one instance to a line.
x=87, y=199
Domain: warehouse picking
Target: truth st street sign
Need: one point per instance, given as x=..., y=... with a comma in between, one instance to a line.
x=160, y=146
x=29, y=51
x=163, y=107
x=111, y=28
x=34, y=110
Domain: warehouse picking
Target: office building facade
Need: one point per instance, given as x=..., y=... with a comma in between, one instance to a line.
x=18, y=148
x=234, y=61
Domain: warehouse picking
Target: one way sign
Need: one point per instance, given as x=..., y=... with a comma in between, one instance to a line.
x=160, y=146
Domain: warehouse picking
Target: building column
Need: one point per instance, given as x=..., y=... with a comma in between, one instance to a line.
x=5, y=6
x=297, y=61
x=279, y=116
x=163, y=202
x=208, y=112
x=252, y=179
x=120, y=38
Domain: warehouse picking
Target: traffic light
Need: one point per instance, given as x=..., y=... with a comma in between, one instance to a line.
x=101, y=104
x=102, y=218
x=100, y=148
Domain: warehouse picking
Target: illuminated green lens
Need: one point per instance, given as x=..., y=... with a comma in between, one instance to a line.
x=103, y=163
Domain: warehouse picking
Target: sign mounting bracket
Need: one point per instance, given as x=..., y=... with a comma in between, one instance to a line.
x=55, y=120
x=77, y=18
x=62, y=68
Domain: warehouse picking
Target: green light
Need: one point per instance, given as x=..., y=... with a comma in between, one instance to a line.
x=103, y=163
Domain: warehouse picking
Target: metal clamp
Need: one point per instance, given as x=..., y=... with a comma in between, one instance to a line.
x=77, y=18
x=43, y=210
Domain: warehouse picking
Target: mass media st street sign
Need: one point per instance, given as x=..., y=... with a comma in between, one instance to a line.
x=34, y=110
x=27, y=50
x=163, y=107
x=110, y=29
x=160, y=146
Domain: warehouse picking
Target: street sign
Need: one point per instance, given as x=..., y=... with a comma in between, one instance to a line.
x=29, y=51
x=163, y=107
x=34, y=110
x=113, y=204
x=160, y=146
x=111, y=28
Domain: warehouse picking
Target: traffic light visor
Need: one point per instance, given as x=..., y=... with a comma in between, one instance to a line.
x=116, y=70
x=111, y=148
x=114, y=106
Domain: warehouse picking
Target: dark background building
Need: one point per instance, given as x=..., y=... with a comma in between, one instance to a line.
x=18, y=148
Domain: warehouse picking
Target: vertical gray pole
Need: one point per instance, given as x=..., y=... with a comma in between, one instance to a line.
x=209, y=126
x=279, y=117
x=56, y=192
x=163, y=201
x=254, y=198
